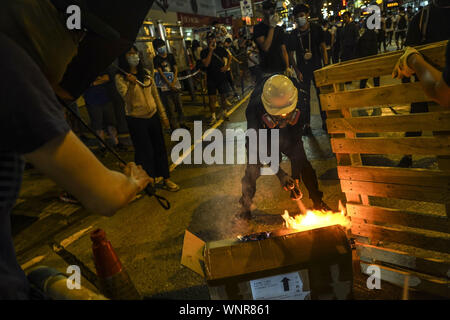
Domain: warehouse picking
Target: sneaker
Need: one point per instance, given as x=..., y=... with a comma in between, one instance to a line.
x=68, y=198
x=405, y=162
x=170, y=186
x=212, y=120
x=320, y=205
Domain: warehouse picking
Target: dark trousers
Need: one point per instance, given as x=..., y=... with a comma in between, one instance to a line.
x=335, y=54
x=416, y=107
x=389, y=35
x=174, y=107
x=256, y=72
x=301, y=169
x=308, y=77
x=149, y=146
x=381, y=40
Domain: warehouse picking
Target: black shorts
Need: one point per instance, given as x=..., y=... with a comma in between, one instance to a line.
x=400, y=34
x=215, y=85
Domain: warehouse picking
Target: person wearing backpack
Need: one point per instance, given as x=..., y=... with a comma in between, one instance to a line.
x=401, y=25
x=389, y=28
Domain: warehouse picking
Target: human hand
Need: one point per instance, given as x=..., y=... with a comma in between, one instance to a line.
x=289, y=72
x=137, y=175
x=273, y=20
x=223, y=69
x=131, y=78
x=165, y=123
x=300, y=76
x=401, y=68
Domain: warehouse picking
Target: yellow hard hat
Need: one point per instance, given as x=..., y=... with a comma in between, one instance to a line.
x=279, y=95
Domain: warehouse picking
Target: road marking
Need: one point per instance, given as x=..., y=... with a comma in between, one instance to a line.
x=32, y=262
x=75, y=237
x=208, y=132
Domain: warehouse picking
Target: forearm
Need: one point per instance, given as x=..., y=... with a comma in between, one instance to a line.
x=99, y=189
x=292, y=61
x=268, y=40
x=324, y=53
x=285, y=56
x=207, y=60
x=430, y=79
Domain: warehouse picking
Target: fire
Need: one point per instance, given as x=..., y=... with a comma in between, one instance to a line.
x=315, y=219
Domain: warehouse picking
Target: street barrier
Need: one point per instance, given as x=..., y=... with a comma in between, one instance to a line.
x=402, y=242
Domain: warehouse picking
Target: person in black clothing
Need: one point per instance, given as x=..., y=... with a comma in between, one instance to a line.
x=336, y=27
x=270, y=40
x=381, y=34
x=169, y=92
x=274, y=105
x=308, y=44
x=35, y=50
x=400, y=28
x=429, y=25
x=328, y=36
x=348, y=37
x=367, y=46
x=217, y=61
x=389, y=23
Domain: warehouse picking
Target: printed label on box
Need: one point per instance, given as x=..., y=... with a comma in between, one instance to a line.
x=287, y=286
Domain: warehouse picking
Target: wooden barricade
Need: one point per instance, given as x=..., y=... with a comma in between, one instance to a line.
x=385, y=202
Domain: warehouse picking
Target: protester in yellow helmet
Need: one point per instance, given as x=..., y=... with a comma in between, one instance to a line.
x=276, y=104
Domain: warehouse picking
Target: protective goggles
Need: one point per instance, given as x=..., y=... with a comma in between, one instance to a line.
x=272, y=121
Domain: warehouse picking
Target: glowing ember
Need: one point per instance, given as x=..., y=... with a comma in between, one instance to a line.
x=315, y=219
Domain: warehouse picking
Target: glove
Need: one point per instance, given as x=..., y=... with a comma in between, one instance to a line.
x=289, y=184
x=290, y=73
x=401, y=68
x=273, y=21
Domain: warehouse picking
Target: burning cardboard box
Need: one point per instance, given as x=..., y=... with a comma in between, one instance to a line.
x=286, y=264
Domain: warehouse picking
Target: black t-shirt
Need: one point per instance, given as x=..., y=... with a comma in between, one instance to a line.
x=446, y=72
x=217, y=62
x=271, y=61
x=437, y=27
x=30, y=116
x=166, y=64
x=310, y=41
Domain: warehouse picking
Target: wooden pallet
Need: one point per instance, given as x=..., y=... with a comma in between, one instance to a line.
x=400, y=241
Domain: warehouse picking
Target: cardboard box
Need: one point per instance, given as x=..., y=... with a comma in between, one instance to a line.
x=313, y=264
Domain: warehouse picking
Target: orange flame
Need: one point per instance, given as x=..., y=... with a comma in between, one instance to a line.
x=315, y=219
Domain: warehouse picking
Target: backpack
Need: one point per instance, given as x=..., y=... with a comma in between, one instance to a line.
x=388, y=22
x=402, y=22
